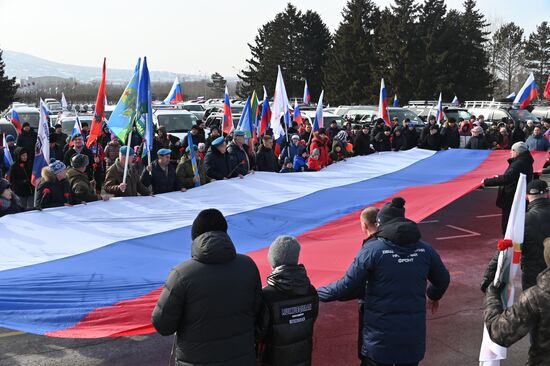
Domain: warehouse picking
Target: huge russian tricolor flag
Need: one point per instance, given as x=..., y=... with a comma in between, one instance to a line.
x=527, y=93
x=103, y=276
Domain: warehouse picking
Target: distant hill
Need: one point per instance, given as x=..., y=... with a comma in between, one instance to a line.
x=22, y=65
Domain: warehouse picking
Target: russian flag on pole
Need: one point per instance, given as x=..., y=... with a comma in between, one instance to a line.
x=297, y=113
x=395, y=101
x=455, y=101
x=265, y=115
x=507, y=268
x=8, y=161
x=318, y=121
x=15, y=120
x=383, y=104
x=527, y=93
x=280, y=107
x=175, y=95
x=439, y=117
x=42, y=147
x=227, y=123
x=307, y=96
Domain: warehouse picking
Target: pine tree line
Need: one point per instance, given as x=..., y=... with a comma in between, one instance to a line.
x=419, y=48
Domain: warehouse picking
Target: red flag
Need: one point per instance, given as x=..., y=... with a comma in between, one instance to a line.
x=547, y=89
x=99, y=113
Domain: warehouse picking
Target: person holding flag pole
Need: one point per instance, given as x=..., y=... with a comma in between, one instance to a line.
x=508, y=327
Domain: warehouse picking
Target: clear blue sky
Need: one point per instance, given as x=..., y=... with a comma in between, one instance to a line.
x=180, y=36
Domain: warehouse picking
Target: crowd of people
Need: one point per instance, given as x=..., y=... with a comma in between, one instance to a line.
x=214, y=302
x=66, y=181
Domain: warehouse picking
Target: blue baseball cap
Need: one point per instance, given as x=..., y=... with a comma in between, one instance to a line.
x=164, y=152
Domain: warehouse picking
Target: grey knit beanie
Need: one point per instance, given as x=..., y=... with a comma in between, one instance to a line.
x=520, y=147
x=284, y=250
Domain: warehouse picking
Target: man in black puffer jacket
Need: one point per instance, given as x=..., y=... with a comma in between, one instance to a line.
x=161, y=175
x=211, y=301
x=291, y=305
x=537, y=228
x=391, y=275
x=520, y=161
x=217, y=162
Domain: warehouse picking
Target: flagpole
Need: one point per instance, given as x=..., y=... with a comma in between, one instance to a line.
x=148, y=143
x=128, y=145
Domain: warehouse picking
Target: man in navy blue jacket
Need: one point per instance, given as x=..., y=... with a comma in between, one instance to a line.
x=390, y=274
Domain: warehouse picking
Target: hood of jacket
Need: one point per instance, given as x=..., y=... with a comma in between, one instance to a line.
x=17, y=154
x=524, y=157
x=290, y=279
x=400, y=231
x=213, y=247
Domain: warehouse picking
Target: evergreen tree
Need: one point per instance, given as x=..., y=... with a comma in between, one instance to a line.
x=316, y=42
x=400, y=49
x=351, y=71
x=475, y=80
x=295, y=41
x=537, y=54
x=509, y=58
x=435, y=50
x=8, y=87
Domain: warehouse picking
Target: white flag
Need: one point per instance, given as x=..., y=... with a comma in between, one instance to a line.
x=280, y=107
x=64, y=104
x=491, y=353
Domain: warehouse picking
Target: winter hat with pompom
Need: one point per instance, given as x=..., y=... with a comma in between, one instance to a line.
x=391, y=210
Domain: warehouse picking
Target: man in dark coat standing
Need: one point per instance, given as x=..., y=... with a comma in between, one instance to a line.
x=80, y=148
x=216, y=161
x=161, y=175
x=212, y=300
x=528, y=314
x=27, y=139
x=238, y=157
x=362, y=142
x=266, y=161
x=537, y=228
x=390, y=274
x=520, y=161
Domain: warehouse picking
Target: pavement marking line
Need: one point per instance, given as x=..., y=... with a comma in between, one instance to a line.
x=428, y=222
x=469, y=233
x=485, y=216
x=11, y=334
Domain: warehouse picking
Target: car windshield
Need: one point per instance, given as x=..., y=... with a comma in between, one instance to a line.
x=361, y=115
x=194, y=107
x=177, y=122
x=237, y=109
x=67, y=126
x=54, y=106
x=328, y=120
x=404, y=113
x=522, y=115
x=32, y=117
x=457, y=114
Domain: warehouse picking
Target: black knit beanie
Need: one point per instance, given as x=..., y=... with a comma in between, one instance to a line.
x=208, y=220
x=391, y=210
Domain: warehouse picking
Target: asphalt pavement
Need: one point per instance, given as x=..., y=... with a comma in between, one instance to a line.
x=465, y=234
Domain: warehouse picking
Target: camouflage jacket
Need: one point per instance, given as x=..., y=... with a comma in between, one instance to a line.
x=530, y=313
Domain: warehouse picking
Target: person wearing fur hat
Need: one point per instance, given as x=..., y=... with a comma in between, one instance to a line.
x=290, y=308
x=391, y=275
x=528, y=314
x=478, y=140
x=520, y=161
x=185, y=174
x=211, y=301
x=320, y=142
x=114, y=179
x=20, y=174
x=8, y=203
x=54, y=189
x=83, y=189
